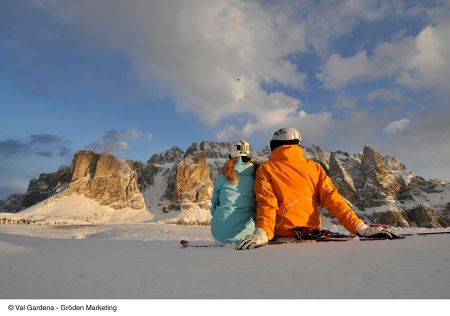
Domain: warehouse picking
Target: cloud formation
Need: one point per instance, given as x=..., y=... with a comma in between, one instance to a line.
x=20, y=158
x=387, y=95
x=343, y=101
x=114, y=141
x=424, y=142
x=45, y=145
x=239, y=67
x=198, y=49
x=396, y=127
x=419, y=62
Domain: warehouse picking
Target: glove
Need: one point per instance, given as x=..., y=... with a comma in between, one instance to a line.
x=257, y=239
x=376, y=231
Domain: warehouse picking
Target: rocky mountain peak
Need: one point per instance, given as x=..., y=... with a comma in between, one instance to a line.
x=193, y=183
x=210, y=148
x=381, y=183
x=105, y=179
x=341, y=179
x=83, y=164
x=169, y=156
x=46, y=185
x=380, y=188
x=317, y=153
x=12, y=203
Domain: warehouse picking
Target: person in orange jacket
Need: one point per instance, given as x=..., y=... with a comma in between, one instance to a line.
x=289, y=190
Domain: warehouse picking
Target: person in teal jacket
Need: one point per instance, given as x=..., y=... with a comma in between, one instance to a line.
x=233, y=202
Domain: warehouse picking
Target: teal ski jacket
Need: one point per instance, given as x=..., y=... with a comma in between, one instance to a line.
x=233, y=207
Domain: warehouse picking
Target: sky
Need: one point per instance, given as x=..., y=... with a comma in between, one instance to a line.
x=135, y=78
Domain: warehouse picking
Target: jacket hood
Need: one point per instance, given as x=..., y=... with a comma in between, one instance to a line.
x=243, y=167
x=288, y=152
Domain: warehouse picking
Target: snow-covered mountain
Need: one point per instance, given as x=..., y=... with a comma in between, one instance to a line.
x=175, y=187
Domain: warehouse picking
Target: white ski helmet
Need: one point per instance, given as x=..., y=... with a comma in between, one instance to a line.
x=287, y=133
x=240, y=148
x=285, y=136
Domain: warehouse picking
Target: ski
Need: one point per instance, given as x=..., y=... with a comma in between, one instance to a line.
x=186, y=244
x=335, y=237
x=295, y=240
x=425, y=233
x=309, y=234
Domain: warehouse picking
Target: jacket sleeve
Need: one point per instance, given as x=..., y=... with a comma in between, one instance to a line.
x=335, y=203
x=215, y=195
x=266, y=202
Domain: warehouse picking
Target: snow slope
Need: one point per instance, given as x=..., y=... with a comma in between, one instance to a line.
x=76, y=210
x=145, y=261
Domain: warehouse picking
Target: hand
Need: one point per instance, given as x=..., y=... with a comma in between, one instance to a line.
x=376, y=231
x=257, y=239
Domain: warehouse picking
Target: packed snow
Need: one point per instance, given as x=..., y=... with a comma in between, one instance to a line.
x=76, y=210
x=78, y=249
x=134, y=261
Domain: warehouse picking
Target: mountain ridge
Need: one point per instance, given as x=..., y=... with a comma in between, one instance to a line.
x=175, y=185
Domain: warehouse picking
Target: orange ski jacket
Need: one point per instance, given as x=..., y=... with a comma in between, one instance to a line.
x=289, y=190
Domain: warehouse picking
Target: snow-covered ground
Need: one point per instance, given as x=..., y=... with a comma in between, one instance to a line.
x=78, y=210
x=80, y=250
x=133, y=261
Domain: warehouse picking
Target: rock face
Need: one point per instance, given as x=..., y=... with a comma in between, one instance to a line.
x=192, y=182
x=383, y=190
x=393, y=217
x=315, y=152
x=83, y=164
x=380, y=188
x=342, y=180
x=211, y=149
x=188, y=181
x=424, y=216
x=381, y=184
x=105, y=179
x=216, y=154
x=169, y=156
x=46, y=185
x=13, y=203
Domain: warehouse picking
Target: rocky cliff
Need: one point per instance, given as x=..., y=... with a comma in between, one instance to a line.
x=105, y=179
x=47, y=185
x=383, y=190
x=177, y=185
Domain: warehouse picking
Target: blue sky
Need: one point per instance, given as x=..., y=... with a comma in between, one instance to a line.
x=135, y=78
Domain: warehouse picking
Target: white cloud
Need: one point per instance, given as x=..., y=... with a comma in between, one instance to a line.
x=286, y=112
x=419, y=62
x=343, y=101
x=229, y=133
x=114, y=141
x=326, y=21
x=396, y=127
x=339, y=71
x=388, y=95
x=194, y=51
x=315, y=127
x=429, y=67
x=424, y=147
x=197, y=49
